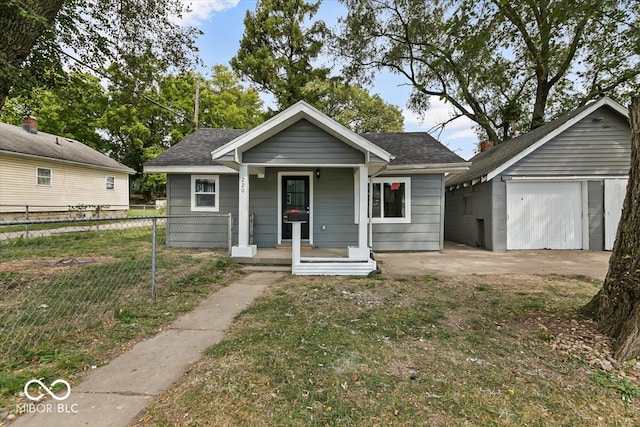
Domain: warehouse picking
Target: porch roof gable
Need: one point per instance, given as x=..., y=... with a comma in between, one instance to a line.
x=300, y=110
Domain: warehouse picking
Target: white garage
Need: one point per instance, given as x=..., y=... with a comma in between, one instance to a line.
x=544, y=215
x=559, y=186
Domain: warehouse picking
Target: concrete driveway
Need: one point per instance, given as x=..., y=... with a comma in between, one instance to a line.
x=460, y=259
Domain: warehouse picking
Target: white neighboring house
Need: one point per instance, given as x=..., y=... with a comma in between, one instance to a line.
x=52, y=175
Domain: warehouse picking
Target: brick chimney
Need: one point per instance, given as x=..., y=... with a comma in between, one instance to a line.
x=486, y=145
x=30, y=124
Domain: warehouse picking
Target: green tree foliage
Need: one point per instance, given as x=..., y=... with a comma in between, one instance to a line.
x=72, y=108
x=22, y=23
x=139, y=130
x=507, y=65
x=354, y=107
x=36, y=34
x=277, y=53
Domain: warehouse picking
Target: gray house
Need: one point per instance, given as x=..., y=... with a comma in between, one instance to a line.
x=302, y=159
x=560, y=186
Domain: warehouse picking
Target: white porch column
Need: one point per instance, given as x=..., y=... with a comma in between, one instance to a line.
x=362, y=251
x=243, y=249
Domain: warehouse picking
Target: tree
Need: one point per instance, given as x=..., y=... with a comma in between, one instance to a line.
x=22, y=23
x=277, y=53
x=507, y=65
x=37, y=36
x=138, y=130
x=617, y=306
x=354, y=107
x=71, y=109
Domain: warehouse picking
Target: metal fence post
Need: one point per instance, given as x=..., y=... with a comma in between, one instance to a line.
x=229, y=231
x=153, y=257
x=26, y=226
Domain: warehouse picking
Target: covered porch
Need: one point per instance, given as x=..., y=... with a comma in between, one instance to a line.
x=279, y=166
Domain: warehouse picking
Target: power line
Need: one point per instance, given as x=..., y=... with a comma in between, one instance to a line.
x=142, y=95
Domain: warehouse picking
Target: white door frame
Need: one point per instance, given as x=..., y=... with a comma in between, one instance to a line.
x=310, y=174
x=612, y=215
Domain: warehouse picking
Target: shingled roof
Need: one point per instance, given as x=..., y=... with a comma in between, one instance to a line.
x=488, y=161
x=411, y=148
x=18, y=141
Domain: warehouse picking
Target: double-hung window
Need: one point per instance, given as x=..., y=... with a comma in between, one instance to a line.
x=110, y=182
x=43, y=176
x=205, y=193
x=390, y=199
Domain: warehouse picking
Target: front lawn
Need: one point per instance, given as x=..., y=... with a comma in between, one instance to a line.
x=435, y=351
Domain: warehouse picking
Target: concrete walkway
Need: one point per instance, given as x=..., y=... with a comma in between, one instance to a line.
x=114, y=394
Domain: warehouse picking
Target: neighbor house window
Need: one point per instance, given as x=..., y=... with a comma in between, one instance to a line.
x=43, y=176
x=204, y=193
x=110, y=182
x=390, y=200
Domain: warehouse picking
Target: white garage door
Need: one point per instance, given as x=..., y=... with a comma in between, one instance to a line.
x=614, y=192
x=544, y=215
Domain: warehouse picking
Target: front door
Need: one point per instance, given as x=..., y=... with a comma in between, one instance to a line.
x=295, y=195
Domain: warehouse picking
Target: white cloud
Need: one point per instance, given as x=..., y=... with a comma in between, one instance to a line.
x=465, y=133
x=202, y=10
x=439, y=112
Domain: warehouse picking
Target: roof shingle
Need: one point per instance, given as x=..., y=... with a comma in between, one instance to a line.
x=14, y=139
x=410, y=148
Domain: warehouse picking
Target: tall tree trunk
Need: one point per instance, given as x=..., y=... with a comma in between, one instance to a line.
x=540, y=105
x=21, y=24
x=617, y=306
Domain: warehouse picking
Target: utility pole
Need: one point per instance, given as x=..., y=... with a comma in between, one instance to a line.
x=197, y=103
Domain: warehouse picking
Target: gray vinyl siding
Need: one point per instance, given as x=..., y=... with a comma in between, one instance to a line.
x=263, y=204
x=424, y=231
x=595, y=205
x=600, y=144
x=334, y=209
x=300, y=144
x=477, y=226
x=499, y=216
x=200, y=229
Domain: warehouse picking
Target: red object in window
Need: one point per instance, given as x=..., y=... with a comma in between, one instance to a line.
x=395, y=185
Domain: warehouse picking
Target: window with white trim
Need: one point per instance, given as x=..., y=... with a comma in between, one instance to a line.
x=204, y=193
x=390, y=199
x=43, y=176
x=110, y=182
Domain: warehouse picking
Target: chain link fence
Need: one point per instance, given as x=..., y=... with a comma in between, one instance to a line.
x=64, y=282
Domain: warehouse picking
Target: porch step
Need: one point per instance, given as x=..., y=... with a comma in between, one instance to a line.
x=270, y=268
x=335, y=268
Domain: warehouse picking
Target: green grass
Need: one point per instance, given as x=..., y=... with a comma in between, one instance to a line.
x=72, y=301
x=414, y=351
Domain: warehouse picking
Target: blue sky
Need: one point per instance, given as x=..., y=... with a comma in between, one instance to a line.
x=222, y=24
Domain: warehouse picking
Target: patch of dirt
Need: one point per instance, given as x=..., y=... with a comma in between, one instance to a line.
x=580, y=339
x=20, y=274
x=50, y=265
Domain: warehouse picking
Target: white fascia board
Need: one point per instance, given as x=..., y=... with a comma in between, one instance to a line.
x=305, y=165
x=298, y=111
x=190, y=169
x=564, y=178
x=432, y=168
x=596, y=105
